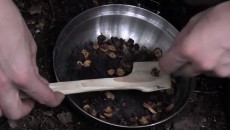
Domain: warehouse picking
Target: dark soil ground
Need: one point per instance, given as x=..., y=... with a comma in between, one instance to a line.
x=46, y=18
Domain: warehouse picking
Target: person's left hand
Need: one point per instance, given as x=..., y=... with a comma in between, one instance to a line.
x=18, y=69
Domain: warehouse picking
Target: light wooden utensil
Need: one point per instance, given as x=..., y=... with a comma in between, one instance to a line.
x=140, y=78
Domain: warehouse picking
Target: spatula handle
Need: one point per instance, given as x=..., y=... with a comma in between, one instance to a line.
x=72, y=87
x=81, y=86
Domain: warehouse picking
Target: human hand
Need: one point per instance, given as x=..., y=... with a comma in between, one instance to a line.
x=18, y=70
x=203, y=2
x=203, y=45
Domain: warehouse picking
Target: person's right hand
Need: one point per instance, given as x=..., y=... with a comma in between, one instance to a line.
x=203, y=46
x=18, y=70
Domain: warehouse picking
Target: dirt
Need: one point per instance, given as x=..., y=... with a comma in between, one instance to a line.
x=46, y=18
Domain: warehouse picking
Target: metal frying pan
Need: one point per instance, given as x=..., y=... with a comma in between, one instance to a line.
x=123, y=21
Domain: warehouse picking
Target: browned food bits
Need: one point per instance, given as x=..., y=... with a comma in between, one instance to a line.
x=101, y=116
x=143, y=120
x=159, y=103
x=108, y=112
x=111, y=72
x=120, y=72
x=94, y=112
x=157, y=52
x=108, y=115
x=147, y=106
x=169, y=107
x=108, y=109
x=118, y=56
x=86, y=107
x=144, y=49
x=103, y=50
x=112, y=48
x=87, y=63
x=136, y=47
x=85, y=53
x=155, y=72
x=112, y=55
x=101, y=38
x=80, y=63
x=109, y=95
x=130, y=42
x=96, y=46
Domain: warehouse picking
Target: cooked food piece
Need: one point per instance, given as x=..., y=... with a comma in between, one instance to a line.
x=111, y=72
x=120, y=72
x=108, y=112
x=155, y=72
x=112, y=48
x=144, y=120
x=147, y=106
x=112, y=55
x=157, y=52
x=87, y=63
x=96, y=46
x=86, y=107
x=110, y=95
x=85, y=53
x=101, y=38
x=169, y=107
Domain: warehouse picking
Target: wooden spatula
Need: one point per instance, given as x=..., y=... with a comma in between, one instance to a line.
x=141, y=78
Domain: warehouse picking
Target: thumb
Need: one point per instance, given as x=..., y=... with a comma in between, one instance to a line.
x=40, y=91
x=171, y=61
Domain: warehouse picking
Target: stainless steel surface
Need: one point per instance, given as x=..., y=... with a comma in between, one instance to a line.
x=144, y=27
x=125, y=21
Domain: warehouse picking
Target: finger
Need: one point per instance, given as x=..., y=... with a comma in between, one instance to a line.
x=174, y=58
x=37, y=73
x=189, y=27
x=12, y=106
x=222, y=71
x=38, y=87
x=34, y=60
x=13, y=124
x=188, y=70
x=172, y=61
x=1, y=114
x=43, y=80
x=40, y=92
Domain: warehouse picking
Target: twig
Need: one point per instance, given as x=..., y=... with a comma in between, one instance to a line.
x=42, y=123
